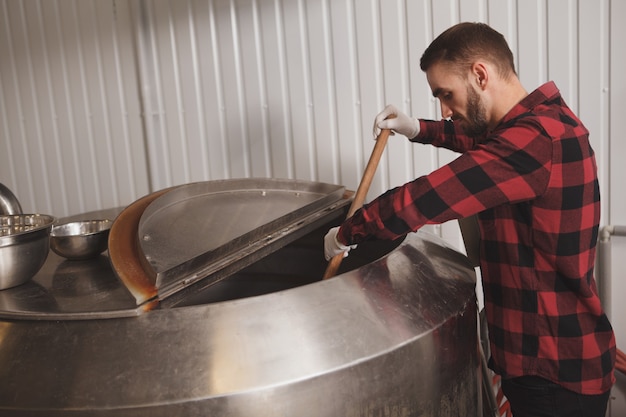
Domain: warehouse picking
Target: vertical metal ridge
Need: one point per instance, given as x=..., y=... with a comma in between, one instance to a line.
x=605, y=104
x=572, y=46
x=219, y=87
x=308, y=90
x=546, y=13
x=383, y=170
x=429, y=33
x=199, y=97
x=106, y=117
x=69, y=108
x=20, y=101
x=158, y=116
x=616, y=149
x=160, y=171
x=482, y=12
x=86, y=103
x=241, y=95
x=159, y=113
x=405, y=77
x=5, y=130
x=3, y=105
x=543, y=43
x=355, y=88
x=514, y=41
x=180, y=107
x=434, y=152
x=36, y=113
x=262, y=80
x=284, y=91
x=54, y=113
x=123, y=109
x=331, y=89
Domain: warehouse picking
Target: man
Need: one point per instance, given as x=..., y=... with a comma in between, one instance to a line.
x=527, y=169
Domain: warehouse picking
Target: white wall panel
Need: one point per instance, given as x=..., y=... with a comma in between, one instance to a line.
x=296, y=90
x=371, y=92
x=593, y=82
x=614, y=183
x=617, y=108
x=237, y=88
x=532, y=62
x=72, y=134
x=323, y=87
x=338, y=65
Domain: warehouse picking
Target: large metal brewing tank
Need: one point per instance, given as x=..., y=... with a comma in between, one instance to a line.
x=395, y=334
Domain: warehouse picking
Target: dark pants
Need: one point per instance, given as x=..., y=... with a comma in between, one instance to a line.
x=531, y=396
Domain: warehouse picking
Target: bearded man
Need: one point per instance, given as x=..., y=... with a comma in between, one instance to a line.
x=528, y=172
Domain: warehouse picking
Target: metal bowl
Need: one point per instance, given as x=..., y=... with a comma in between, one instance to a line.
x=80, y=239
x=24, y=246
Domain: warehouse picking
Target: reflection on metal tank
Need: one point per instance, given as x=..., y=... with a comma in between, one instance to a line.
x=395, y=334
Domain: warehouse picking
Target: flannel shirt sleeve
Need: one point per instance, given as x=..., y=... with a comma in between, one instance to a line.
x=443, y=134
x=511, y=167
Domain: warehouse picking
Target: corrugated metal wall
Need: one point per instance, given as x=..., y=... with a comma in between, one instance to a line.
x=102, y=102
x=71, y=132
x=617, y=190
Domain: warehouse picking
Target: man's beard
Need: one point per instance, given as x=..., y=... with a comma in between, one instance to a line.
x=476, y=121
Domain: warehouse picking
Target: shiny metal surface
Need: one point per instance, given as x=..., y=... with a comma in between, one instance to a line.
x=79, y=240
x=124, y=253
x=396, y=336
x=206, y=229
x=71, y=290
x=9, y=204
x=24, y=247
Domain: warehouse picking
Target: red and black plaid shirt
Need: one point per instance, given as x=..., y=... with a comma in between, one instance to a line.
x=533, y=182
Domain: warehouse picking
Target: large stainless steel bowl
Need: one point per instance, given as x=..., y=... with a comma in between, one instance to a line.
x=24, y=246
x=396, y=337
x=259, y=333
x=80, y=239
x=9, y=204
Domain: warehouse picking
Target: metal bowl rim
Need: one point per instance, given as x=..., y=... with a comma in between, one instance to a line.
x=48, y=222
x=59, y=226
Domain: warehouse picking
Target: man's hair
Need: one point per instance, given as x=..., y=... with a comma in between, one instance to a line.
x=465, y=43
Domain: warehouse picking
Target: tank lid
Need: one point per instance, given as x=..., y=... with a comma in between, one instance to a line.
x=169, y=244
x=214, y=228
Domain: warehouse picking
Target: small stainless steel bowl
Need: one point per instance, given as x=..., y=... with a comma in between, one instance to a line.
x=24, y=247
x=80, y=239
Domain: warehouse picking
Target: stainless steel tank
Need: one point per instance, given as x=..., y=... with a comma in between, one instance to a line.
x=394, y=334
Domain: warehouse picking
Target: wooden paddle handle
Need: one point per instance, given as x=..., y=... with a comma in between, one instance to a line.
x=361, y=192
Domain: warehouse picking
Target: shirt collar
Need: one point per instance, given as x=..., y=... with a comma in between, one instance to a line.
x=542, y=94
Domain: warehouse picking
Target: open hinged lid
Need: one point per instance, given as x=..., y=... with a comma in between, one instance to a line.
x=203, y=232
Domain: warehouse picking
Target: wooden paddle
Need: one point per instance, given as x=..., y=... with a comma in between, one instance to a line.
x=361, y=192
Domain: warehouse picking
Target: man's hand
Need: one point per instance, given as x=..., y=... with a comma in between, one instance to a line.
x=332, y=247
x=402, y=124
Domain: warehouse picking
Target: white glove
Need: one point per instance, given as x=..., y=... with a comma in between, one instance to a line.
x=332, y=247
x=402, y=124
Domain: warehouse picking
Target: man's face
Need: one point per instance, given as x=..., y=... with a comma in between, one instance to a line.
x=459, y=99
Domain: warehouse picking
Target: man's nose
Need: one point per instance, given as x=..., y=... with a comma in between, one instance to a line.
x=446, y=112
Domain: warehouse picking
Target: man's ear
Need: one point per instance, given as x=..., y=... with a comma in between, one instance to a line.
x=480, y=74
